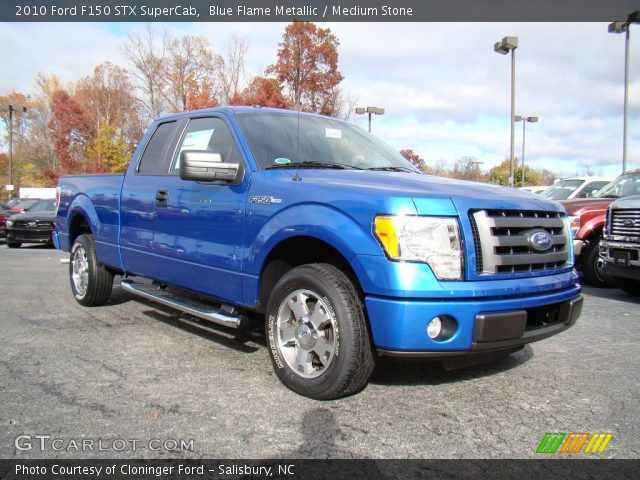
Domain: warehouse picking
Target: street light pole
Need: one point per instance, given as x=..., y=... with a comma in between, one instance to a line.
x=524, y=120
x=506, y=45
x=370, y=111
x=11, y=109
x=620, y=27
x=512, y=177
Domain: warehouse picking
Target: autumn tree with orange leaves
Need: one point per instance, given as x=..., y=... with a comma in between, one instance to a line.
x=307, y=68
x=414, y=158
x=71, y=133
x=264, y=92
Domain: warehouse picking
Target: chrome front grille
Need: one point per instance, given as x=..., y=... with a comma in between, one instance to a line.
x=503, y=241
x=625, y=223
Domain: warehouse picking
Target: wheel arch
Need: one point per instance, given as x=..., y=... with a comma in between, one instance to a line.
x=83, y=218
x=300, y=250
x=78, y=225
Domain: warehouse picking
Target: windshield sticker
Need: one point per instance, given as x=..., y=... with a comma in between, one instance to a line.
x=333, y=133
x=195, y=141
x=282, y=161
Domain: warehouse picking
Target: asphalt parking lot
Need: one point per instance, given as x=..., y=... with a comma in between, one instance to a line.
x=135, y=379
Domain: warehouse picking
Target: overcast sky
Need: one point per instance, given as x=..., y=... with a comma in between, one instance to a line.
x=445, y=91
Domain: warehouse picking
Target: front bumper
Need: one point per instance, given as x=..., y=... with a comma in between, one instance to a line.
x=399, y=326
x=621, y=259
x=29, y=235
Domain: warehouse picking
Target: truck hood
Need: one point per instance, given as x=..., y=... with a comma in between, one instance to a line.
x=26, y=216
x=584, y=205
x=464, y=194
x=627, y=202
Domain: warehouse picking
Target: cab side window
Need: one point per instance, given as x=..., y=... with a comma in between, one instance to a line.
x=153, y=158
x=210, y=134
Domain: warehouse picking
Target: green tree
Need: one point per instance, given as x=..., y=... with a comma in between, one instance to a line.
x=500, y=174
x=109, y=151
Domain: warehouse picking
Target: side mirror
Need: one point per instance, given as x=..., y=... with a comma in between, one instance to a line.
x=205, y=166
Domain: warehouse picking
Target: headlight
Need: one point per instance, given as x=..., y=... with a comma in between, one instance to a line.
x=433, y=240
x=9, y=223
x=574, y=224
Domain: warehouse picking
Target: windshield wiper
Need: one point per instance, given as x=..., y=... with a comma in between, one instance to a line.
x=391, y=169
x=312, y=164
x=611, y=195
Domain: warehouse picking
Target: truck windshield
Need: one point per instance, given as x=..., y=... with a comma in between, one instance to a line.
x=47, y=205
x=623, y=186
x=283, y=140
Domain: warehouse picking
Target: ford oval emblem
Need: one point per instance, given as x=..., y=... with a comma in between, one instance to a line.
x=628, y=222
x=539, y=240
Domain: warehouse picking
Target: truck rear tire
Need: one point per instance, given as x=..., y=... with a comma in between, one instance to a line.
x=317, y=333
x=592, y=267
x=13, y=244
x=91, y=282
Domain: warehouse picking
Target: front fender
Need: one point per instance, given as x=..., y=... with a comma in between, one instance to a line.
x=314, y=220
x=592, y=224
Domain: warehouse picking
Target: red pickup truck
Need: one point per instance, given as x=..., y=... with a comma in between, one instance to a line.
x=587, y=217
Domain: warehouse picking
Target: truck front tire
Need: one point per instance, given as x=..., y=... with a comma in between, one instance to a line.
x=91, y=282
x=317, y=333
x=592, y=266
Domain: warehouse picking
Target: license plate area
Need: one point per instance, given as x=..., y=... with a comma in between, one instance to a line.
x=621, y=258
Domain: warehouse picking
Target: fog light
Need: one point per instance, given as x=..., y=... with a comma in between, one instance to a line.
x=441, y=328
x=434, y=328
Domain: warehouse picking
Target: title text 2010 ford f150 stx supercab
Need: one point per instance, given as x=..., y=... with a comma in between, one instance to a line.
x=347, y=250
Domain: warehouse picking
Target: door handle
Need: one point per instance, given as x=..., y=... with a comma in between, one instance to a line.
x=162, y=196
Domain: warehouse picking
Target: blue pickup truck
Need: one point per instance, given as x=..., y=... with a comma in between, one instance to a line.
x=343, y=248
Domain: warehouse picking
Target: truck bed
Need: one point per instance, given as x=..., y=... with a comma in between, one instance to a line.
x=100, y=195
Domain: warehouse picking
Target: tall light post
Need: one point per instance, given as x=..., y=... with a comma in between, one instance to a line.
x=11, y=109
x=370, y=111
x=524, y=120
x=619, y=27
x=506, y=45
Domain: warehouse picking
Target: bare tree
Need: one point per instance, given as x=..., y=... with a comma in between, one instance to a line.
x=344, y=104
x=189, y=63
x=230, y=70
x=146, y=52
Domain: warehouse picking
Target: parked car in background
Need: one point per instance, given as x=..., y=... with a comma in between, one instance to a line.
x=575, y=187
x=587, y=216
x=620, y=247
x=3, y=222
x=34, y=226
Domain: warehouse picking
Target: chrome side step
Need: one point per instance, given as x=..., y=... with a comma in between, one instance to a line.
x=193, y=307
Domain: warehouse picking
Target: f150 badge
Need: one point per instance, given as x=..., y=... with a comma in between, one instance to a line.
x=264, y=199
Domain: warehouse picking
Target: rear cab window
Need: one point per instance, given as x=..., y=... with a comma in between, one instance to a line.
x=153, y=160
